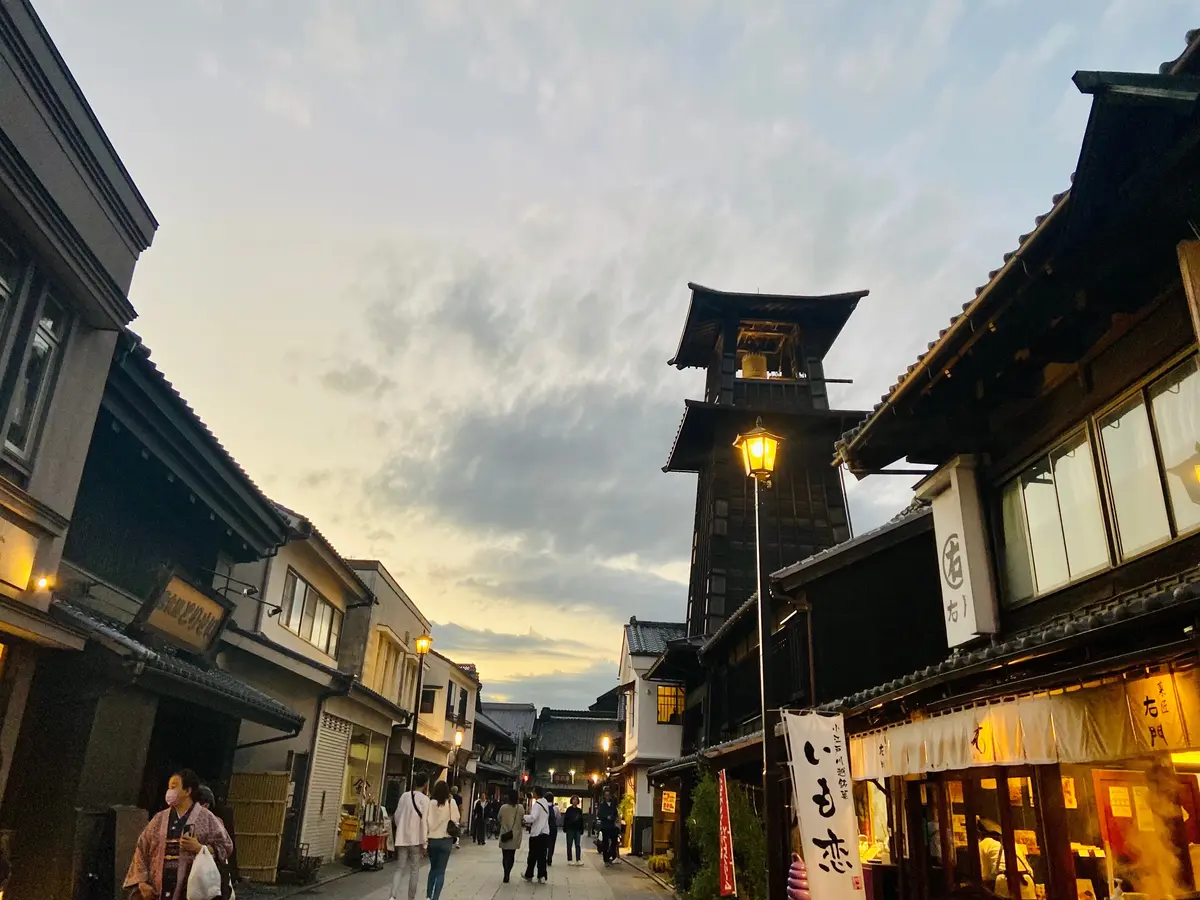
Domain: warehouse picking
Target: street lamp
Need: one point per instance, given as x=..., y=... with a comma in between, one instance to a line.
x=606, y=742
x=759, y=449
x=422, y=645
x=458, y=739
x=572, y=776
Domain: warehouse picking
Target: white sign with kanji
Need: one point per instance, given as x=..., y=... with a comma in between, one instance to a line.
x=824, y=803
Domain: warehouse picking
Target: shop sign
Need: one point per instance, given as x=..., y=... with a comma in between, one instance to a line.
x=727, y=875
x=185, y=615
x=1155, y=710
x=820, y=768
x=668, y=801
x=968, y=594
x=18, y=548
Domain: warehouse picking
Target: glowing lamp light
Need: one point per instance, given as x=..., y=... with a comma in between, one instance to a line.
x=551, y=771
x=595, y=778
x=458, y=738
x=422, y=644
x=1196, y=473
x=760, y=450
x=606, y=742
x=43, y=583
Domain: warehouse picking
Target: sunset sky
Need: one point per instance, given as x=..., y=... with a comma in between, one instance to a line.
x=421, y=264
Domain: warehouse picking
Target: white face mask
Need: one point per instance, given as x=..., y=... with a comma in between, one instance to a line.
x=172, y=796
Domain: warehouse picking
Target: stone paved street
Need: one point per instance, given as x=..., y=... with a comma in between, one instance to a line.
x=474, y=874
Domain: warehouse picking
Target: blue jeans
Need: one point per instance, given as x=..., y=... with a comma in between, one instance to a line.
x=575, y=839
x=439, y=857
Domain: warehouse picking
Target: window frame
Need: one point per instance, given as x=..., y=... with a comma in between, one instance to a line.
x=431, y=693
x=324, y=614
x=20, y=321
x=675, y=699
x=1091, y=428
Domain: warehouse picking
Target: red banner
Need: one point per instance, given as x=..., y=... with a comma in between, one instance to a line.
x=728, y=875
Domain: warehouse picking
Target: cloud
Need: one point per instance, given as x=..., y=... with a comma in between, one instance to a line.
x=356, y=378
x=560, y=689
x=286, y=102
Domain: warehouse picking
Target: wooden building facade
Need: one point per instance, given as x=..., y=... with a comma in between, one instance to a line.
x=1055, y=749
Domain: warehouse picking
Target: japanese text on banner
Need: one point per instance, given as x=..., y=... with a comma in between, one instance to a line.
x=820, y=766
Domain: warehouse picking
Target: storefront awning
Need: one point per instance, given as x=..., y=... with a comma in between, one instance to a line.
x=175, y=676
x=1120, y=720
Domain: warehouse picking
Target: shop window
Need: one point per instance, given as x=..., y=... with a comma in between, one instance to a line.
x=1133, y=482
x=670, y=704
x=1175, y=407
x=1053, y=522
x=310, y=616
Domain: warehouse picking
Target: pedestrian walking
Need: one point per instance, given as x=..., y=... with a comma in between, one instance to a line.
x=208, y=800
x=444, y=822
x=607, y=816
x=171, y=841
x=553, y=822
x=538, y=821
x=512, y=826
x=573, y=829
x=479, y=821
x=456, y=795
x=412, y=835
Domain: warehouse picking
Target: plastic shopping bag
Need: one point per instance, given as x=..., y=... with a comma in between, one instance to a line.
x=204, y=882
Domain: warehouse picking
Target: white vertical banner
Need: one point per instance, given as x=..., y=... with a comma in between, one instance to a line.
x=819, y=756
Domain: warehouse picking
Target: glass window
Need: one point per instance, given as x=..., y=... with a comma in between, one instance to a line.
x=293, y=602
x=1079, y=505
x=1138, y=507
x=1053, y=523
x=1175, y=403
x=320, y=632
x=1018, y=565
x=310, y=614
x=335, y=633
x=32, y=394
x=11, y=267
x=428, y=696
x=670, y=704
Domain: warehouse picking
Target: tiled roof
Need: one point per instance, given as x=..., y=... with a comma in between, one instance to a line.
x=515, y=718
x=1046, y=637
x=140, y=354
x=694, y=759
x=1186, y=63
x=915, y=510
x=650, y=638
x=483, y=719
x=211, y=679
x=573, y=731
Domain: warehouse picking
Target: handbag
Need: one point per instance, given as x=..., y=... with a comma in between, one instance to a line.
x=453, y=830
x=204, y=881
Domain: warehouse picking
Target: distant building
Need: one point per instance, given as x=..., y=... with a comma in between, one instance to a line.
x=518, y=720
x=653, y=715
x=568, y=753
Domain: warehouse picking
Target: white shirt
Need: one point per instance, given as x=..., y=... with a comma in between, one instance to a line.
x=438, y=818
x=538, y=819
x=412, y=819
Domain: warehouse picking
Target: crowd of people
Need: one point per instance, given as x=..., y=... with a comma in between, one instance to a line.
x=428, y=824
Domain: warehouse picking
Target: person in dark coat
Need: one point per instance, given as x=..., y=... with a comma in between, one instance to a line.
x=573, y=829
x=607, y=817
x=479, y=821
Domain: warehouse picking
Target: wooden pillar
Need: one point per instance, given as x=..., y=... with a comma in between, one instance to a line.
x=1060, y=859
x=1189, y=271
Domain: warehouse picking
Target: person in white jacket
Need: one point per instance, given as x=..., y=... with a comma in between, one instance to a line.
x=412, y=835
x=538, y=821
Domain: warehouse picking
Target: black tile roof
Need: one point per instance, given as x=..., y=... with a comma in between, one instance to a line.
x=693, y=760
x=515, y=718
x=1187, y=63
x=485, y=722
x=573, y=731
x=1125, y=610
x=651, y=638
x=256, y=705
x=823, y=318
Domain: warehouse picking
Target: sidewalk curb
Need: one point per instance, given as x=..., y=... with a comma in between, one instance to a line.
x=651, y=875
x=294, y=889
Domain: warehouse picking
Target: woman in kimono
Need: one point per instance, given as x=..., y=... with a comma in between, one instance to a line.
x=171, y=840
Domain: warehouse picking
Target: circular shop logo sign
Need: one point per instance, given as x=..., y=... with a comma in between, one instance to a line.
x=952, y=563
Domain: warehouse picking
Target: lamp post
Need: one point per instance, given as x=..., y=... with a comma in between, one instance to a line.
x=458, y=739
x=422, y=645
x=759, y=449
